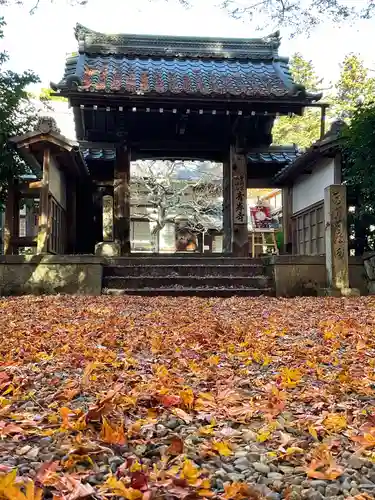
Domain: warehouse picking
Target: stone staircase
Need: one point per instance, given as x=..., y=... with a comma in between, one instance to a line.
x=186, y=275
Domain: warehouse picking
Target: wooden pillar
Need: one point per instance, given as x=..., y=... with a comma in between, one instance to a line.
x=44, y=228
x=240, y=236
x=227, y=206
x=287, y=204
x=121, y=195
x=11, y=222
x=336, y=237
x=71, y=215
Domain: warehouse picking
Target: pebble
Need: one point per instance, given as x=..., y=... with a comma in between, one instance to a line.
x=161, y=430
x=314, y=495
x=24, y=469
x=241, y=464
x=221, y=473
x=236, y=478
x=354, y=492
x=318, y=482
x=262, y=468
x=219, y=485
x=249, y=436
x=172, y=423
x=228, y=467
x=23, y=450
x=346, y=485
x=332, y=490
x=33, y=453
x=355, y=462
x=275, y=475
x=115, y=462
x=253, y=457
x=287, y=469
x=240, y=454
x=297, y=480
x=277, y=485
x=294, y=495
x=371, y=476
x=364, y=480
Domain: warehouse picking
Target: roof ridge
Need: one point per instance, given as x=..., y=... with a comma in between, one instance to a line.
x=91, y=42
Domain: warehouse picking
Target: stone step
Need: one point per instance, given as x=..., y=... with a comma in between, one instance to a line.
x=137, y=282
x=181, y=260
x=192, y=292
x=184, y=270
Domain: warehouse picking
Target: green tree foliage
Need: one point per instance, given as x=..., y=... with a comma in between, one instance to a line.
x=354, y=86
x=359, y=175
x=300, y=130
x=16, y=117
x=46, y=95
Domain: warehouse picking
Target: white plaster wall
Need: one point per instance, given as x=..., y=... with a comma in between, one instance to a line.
x=57, y=185
x=309, y=189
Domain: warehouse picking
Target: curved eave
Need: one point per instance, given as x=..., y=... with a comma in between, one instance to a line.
x=295, y=101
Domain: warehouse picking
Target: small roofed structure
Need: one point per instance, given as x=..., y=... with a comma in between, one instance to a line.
x=60, y=179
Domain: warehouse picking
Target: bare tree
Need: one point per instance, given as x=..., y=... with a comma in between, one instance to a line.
x=299, y=16
x=192, y=201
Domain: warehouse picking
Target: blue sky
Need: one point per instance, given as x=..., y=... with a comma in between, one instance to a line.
x=41, y=41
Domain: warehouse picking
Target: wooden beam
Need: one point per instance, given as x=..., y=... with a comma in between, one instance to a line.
x=227, y=206
x=287, y=204
x=121, y=194
x=323, y=111
x=71, y=215
x=239, y=203
x=44, y=222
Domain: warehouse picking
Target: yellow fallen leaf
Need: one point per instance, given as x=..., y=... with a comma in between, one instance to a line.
x=187, y=397
x=222, y=447
x=313, y=432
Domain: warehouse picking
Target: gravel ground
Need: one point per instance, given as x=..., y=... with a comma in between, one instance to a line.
x=188, y=398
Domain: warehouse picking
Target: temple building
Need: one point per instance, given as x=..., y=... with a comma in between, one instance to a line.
x=143, y=97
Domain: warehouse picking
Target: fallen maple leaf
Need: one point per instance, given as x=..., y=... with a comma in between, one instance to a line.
x=240, y=491
x=222, y=447
x=138, y=481
x=176, y=447
x=112, y=434
x=320, y=470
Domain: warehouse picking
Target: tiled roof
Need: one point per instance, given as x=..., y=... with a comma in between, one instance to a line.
x=284, y=157
x=188, y=77
x=273, y=155
x=152, y=65
x=99, y=154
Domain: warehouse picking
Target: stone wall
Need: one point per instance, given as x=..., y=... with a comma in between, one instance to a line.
x=298, y=275
x=50, y=274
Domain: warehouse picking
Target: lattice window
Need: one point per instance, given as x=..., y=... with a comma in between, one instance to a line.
x=308, y=231
x=57, y=239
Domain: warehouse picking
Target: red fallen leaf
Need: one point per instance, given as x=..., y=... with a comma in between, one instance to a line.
x=45, y=470
x=4, y=378
x=8, y=429
x=169, y=401
x=5, y=468
x=139, y=481
x=329, y=473
x=102, y=408
x=176, y=447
